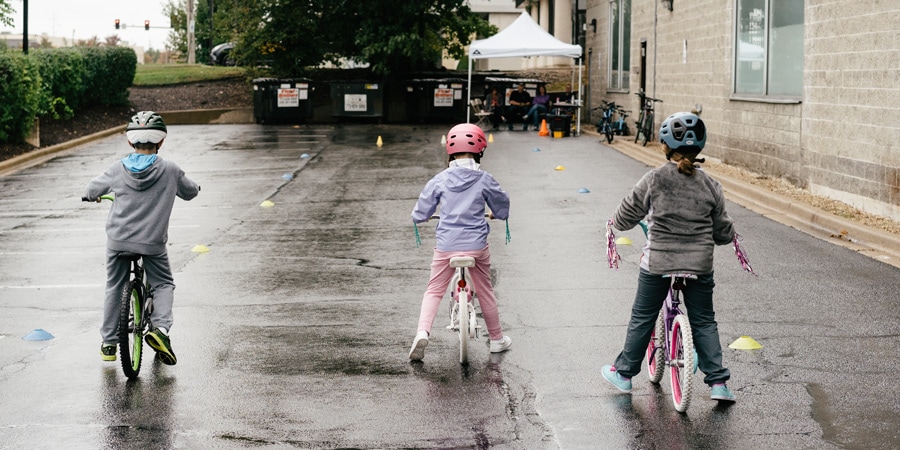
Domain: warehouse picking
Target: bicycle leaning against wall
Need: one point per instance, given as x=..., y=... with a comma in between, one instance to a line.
x=645, y=119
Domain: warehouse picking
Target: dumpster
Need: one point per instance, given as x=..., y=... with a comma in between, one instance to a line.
x=560, y=125
x=431, y=99
x=357, y=99
x=281, y=100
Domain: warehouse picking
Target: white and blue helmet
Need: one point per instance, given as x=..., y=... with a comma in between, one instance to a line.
x=684, y=132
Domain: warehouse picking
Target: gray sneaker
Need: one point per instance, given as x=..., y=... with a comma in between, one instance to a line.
x=621, y=383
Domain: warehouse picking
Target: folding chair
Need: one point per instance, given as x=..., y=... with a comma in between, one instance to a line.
x=480, y=114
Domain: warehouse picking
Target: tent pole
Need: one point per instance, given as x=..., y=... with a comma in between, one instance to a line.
x=469, y=91
x=578, y=110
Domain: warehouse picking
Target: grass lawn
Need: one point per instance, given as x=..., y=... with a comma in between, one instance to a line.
x=163, y=74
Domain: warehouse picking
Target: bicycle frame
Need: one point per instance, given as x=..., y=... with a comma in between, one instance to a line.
x=464, y=322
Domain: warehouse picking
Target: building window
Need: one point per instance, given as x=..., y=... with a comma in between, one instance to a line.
x=619, y=43
x=769, y=53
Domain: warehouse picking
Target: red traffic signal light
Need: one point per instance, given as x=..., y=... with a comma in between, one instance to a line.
x=117, y=24
x=146, y=24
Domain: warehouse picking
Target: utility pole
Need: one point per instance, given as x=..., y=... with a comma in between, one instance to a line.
x=25, y=28
x=192, y=58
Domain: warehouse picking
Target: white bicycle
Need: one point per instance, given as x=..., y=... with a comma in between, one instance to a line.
x=462, y=309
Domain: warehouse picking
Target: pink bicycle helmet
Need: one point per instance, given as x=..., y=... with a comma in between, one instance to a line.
x=466, y=138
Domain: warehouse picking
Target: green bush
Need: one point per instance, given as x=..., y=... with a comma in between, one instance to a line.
x=62, y=81
x=110, y=72
x=20, y=95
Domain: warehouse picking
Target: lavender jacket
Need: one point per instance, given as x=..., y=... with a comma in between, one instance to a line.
x=461, y=193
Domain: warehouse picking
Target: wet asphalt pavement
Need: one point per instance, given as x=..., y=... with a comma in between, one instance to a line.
x=292, y=331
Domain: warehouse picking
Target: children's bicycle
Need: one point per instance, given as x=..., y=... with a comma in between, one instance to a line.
x=135, y=308
x=672, y=345
x=462, y=308
x=607, y=126
x=672, y=340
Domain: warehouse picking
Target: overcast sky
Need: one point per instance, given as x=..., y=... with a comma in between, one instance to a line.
x=83, y=19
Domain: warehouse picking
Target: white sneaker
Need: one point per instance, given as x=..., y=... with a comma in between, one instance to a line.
x=417, y=352
x=501, y=345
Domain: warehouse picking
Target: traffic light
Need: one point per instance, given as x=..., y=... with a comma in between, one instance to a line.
x=117, y=24
x=146, y=24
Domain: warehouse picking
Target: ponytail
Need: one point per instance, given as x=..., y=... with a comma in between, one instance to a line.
x=685, y=161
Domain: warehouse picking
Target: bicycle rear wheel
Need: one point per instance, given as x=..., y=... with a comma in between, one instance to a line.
x=463, y=327
x=647, y=129
x=656, y=360
x=131, y=332
x=638, y=127
x=681, y=350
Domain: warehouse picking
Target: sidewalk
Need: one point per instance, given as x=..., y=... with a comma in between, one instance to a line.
x=877, y=244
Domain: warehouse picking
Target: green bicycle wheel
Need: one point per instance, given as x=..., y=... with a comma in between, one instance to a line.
x=131, y=333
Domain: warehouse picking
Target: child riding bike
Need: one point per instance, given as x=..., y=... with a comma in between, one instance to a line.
x=461, y=191
x=145, y=187
x=685, y=212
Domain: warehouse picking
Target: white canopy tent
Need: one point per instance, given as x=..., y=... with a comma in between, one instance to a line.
x=523, y=38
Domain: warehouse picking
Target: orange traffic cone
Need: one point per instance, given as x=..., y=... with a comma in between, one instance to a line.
x=544, y=131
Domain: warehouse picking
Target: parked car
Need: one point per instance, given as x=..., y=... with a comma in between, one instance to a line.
x=220, y=55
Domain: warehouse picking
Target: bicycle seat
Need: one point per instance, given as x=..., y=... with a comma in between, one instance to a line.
x=130, y=256
x=689, y=276
x=462, y=261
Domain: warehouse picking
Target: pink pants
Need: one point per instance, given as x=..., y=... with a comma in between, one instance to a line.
x=480, y=279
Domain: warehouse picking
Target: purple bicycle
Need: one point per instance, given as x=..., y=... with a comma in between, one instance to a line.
x=672, y=341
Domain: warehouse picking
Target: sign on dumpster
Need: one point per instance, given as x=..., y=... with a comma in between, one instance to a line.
x=443, y=97
x=288, y=98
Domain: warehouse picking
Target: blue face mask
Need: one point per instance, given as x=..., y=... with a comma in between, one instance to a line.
x=137, y=162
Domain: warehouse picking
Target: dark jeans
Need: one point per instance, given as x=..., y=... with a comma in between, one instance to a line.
x=698, y=300
x=535, y=114
x=514, y=113
x=496, y=116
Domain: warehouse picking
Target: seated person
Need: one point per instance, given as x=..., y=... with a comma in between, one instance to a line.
x=519, y=103
x=539, y=106
x=494, y=103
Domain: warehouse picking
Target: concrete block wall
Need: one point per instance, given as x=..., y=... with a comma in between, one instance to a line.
x=838, y=139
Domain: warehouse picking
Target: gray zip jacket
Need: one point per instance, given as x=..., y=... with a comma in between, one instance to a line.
x=461, y=194
x=686, y=218
x=138, y=220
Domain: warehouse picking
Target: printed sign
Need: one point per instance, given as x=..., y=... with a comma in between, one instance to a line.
x=443, y=97
x=288, y=98
x=355, y=103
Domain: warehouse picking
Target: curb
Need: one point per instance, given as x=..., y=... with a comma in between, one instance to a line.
x=869, y=241
x=184, y=117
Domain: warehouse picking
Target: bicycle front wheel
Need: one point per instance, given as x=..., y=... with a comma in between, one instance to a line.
x=638, y=127
x=131, y=330
x=463, y=327
x=608, y=130
x=648, y=129
x=681, y=348
x=656, y=359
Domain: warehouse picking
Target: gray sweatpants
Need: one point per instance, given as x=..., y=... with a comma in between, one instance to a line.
x=162, y=286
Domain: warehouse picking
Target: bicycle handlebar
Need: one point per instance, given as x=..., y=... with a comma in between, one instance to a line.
x=109, y=197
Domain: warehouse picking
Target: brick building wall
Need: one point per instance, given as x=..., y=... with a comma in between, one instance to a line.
x=838, y=138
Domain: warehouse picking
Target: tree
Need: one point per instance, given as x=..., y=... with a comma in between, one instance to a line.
x=6, y=13
x=291, y=36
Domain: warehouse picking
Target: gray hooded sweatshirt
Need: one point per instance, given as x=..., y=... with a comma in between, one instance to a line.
x=686, y=218
x=138, y=220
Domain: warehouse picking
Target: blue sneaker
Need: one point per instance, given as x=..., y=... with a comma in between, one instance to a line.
x=721, y=393
x=621, y=383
